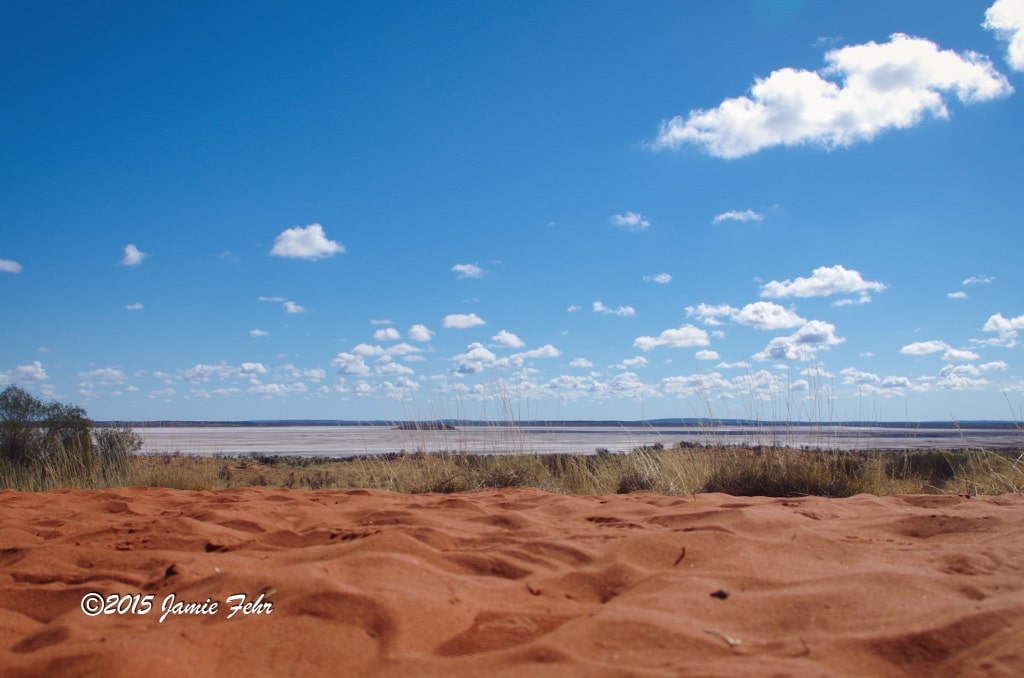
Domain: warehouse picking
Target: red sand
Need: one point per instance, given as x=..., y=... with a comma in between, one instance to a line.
x=512, y=582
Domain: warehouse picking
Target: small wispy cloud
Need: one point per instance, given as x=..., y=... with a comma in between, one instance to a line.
x=622, y=311
x=288, y=305
x=8, y=266
x=979, y=280
x=936, y=346
x=258, y=333
x=462, y=321
x=310, y=243
x=633, y=221
x=960, y=294
x=632, y=363
x=468, y=271
x=132, y=256
x=736, y=215
x=133, y=307
x=661, y=278
x=681, y=337
x=34, y=372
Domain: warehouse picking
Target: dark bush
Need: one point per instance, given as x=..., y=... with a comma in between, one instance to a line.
x=31, y=430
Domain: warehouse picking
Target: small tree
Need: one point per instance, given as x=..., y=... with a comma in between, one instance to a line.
x=22, y=418
x=31, y=430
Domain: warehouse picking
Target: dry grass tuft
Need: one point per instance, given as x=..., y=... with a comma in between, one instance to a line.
x=685, y=469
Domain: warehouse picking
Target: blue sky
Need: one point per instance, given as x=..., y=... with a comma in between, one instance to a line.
x=776, y=210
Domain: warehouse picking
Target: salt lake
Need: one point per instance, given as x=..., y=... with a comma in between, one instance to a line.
x=352, y=440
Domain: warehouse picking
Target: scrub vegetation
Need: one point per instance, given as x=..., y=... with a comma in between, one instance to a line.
x=49, y=446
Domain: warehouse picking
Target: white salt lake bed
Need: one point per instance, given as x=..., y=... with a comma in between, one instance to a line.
x=352, y=440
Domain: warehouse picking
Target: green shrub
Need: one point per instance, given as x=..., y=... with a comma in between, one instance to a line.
x=46, y=445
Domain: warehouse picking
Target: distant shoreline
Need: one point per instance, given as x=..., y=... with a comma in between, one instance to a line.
x=570, y=423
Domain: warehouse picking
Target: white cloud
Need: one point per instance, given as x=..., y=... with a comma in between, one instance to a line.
x=387, y=334
x=288, y=305
x=696, y=384
x=305, y=243
x=251, y=369
x=313, y=374
x=957, y=295
x=258, y=333
x=278, y=389
x=765, y=315
x=876, y=87
x=133, y=307
x=581, y=362
x=462, y=321
x=8, y=266
x=762, y=315
x=994, y=365
x=34, y=372
x=574, y=308
x=506, y=338
x=132, y=256
x=661, y=278
x=1006, y=18
x=629, y=363
x=392, y=368
x=622, y=311
x=824, y=281
x=349, y=363
x=924, y=347
x=960, y=378
x=382, y=353
x=420, y=333
x=979, y=280
x=868, y=383
x=864, y=298
x=631, y=220
x=681, y=337
x=707, y=355
x=475, y=359
x=201, y=373
x=736, y=215
x=468, y=270
x=545, y=351
x=802, y=344
x=709, y=315
x=935, y=346
x=959, y=355
x=1006, y=327
x=105, y=375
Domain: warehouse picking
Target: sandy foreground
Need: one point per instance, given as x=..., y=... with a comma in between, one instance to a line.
x=508, y=582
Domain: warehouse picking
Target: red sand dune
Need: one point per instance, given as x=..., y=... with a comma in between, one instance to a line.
x=511, y=582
